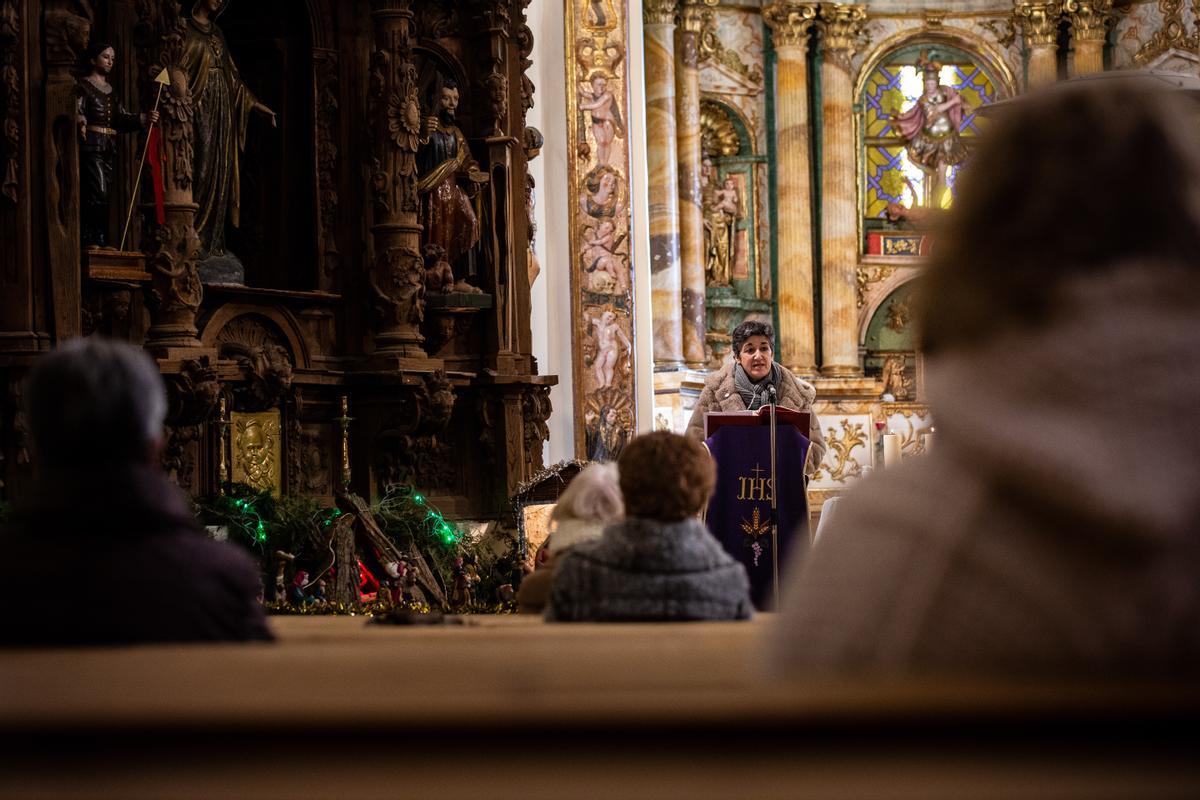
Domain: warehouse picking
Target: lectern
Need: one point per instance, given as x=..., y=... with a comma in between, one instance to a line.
x=755, y=523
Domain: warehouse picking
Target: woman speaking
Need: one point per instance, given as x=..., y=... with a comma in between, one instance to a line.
x=743, y=386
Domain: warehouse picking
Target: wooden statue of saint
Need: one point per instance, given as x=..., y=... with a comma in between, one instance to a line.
x=222, y=105
x=100, y=117
x=448, y=181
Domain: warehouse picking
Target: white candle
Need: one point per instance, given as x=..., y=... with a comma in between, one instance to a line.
x=927, y=442
x=891, y=450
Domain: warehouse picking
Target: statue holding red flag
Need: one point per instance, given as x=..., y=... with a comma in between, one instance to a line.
x=100, y=116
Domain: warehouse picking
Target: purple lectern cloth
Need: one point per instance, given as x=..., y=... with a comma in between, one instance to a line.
x=739, y=511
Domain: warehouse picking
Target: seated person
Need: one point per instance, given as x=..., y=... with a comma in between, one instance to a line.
x=741, y=385
x=1055, y=528
x=106, y=550
x=660, y=562
x=591, y=500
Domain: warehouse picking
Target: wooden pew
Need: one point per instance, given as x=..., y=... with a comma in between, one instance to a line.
x=513, y=707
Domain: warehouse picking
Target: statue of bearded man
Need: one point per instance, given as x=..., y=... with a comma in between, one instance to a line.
x=447, y=181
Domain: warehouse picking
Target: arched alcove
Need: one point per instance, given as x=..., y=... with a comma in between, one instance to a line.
x=272, y=46
x=898, y=187
x=891, y=346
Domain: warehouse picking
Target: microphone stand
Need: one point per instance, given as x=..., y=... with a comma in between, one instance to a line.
x=771, y=397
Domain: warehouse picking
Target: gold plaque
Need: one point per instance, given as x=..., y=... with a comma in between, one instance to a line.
x=256, y=450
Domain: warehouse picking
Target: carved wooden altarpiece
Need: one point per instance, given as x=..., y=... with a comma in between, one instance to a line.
x=442, y=390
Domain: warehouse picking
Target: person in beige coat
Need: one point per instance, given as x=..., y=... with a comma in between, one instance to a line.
x=741, y=385
x=1055, y=527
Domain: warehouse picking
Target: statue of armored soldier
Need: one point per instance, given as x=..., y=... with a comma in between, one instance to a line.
x=100, y=116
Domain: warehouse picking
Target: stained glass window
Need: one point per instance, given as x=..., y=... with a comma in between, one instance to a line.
x=894, y=87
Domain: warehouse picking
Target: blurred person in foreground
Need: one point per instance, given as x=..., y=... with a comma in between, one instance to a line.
x=591, y=500
x=1055, y=528
x=106, y=551
x=741, y=385
x=660, y=563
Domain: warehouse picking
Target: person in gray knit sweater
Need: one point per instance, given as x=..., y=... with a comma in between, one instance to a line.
x=660, y=563
x=1055, y=527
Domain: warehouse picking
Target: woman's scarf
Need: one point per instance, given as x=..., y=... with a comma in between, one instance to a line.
x=754, y=395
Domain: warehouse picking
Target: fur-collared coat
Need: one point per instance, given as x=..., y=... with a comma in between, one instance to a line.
x=719, y=394
x=649, y=570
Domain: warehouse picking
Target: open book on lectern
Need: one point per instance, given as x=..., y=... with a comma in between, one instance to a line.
x=715, y=420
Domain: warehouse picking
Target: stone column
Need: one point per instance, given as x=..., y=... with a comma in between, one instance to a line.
x=666, y=278
x=790, y=23
x=841, y=29
x=691, y=212
x=1038, y=23
x=397, y=274
x=1089, y=28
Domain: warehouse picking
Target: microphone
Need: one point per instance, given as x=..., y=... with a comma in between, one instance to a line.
x=771, y=394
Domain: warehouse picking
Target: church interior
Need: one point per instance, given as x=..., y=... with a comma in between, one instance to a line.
x=406, y=267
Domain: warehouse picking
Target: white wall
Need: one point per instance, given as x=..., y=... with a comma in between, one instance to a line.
x=639, y=193
x=551, y=292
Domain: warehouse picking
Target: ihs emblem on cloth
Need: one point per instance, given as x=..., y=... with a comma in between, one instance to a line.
x=754, y=528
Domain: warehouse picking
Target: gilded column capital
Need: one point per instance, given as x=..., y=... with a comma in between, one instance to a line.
x=1089, y=18
x=790, y=22
x=660, y=12
x=1038, y=21
x=842, y=31
x=693, y=12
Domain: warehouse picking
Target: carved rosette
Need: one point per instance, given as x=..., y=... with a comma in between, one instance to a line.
x=397, y=274
x=790, y=22
x=842, y=32
x=1038, y=22
x=1089, y=19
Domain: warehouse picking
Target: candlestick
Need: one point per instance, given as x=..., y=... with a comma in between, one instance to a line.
x=344, y=420
x=891, y=450
x=222, y=452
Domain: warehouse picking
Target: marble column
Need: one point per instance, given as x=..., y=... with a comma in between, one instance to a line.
x=666, y=277
x=691, y=212
x=1038, y=23
x=1089, y=28
x=841, y=29
x=790, y=23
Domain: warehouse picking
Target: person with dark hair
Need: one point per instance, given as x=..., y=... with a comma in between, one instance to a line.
x=660, y=563
x=108, y=524
x=1054, y=529
x=742, y=386
x=100, y=116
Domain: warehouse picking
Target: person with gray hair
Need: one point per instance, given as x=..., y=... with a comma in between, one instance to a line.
x=120, y=556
